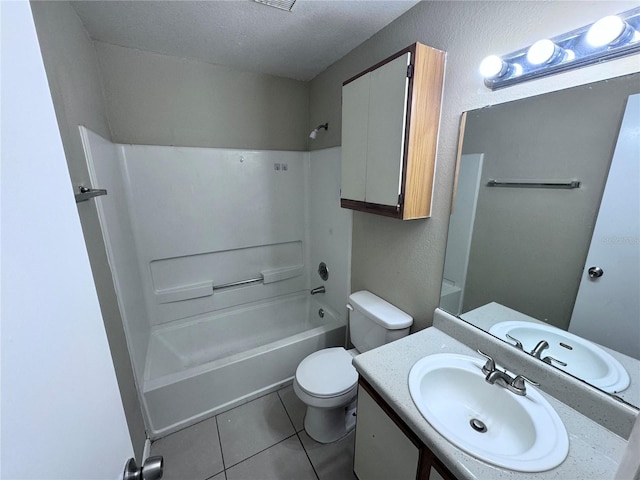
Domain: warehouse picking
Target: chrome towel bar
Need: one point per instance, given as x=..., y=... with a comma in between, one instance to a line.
x=241, y=282
x=569, y=184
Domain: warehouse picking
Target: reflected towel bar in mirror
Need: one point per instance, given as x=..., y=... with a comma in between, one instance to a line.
x=569, y=184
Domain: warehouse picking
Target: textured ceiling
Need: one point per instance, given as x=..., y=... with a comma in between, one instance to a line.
x=242, y=33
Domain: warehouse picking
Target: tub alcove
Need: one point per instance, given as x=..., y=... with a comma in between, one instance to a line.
x=212, y=253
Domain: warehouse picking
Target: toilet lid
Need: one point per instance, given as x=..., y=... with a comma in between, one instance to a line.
x=327, y=373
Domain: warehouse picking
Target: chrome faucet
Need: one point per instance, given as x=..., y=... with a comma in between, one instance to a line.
x=542, y=346
x=503, y=379
x=539, y=348
x=317, y=290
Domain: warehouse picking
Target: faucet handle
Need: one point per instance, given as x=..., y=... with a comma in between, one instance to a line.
x=490, y=366
x=518, y=342
x=518, y=383
x=549, y=359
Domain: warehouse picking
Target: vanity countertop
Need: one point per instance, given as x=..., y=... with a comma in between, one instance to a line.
x=594, y=451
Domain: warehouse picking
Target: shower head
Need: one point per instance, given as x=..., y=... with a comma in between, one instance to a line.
x=314, y=132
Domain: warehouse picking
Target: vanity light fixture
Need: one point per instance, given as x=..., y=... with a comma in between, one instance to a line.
x=545, y=52
x=610, y=37
x=609, y=30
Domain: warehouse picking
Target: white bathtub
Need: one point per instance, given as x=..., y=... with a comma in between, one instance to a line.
x=212, y=363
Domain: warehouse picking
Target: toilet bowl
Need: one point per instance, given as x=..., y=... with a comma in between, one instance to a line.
x=326, y=380
x=327, y=383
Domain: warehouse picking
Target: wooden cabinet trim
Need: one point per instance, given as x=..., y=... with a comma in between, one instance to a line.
x=386, y=210
x=410, y=49
x=423, y=124
x=422, y=121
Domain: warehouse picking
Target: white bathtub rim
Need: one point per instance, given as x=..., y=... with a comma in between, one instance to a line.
x=149, y=383
x=164, y=380
x=200, y=417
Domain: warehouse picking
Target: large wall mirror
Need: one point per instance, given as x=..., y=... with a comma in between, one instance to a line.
x=544, y=240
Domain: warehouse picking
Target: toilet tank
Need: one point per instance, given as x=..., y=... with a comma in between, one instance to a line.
x=374, y=321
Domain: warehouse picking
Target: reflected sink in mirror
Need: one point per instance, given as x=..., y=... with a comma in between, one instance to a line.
x=531, y=248
x=584, y=359
x=522, y=433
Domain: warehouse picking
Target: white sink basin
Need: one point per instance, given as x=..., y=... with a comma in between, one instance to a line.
x=523, y=433
x=584, y=359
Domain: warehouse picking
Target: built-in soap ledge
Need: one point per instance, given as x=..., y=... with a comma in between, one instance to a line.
x=279, y=274
x=185, y=292
x=208, y=288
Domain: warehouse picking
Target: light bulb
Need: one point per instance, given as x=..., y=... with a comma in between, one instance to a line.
x=543, y=51
x=493, y=66
x=605, y=31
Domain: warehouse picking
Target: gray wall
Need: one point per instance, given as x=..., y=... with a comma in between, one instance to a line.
x=72, y=71
x=529, y=245
x=155, y=99
x=403, y=261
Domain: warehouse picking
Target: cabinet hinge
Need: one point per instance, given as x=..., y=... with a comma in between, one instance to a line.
x=400, y=199
x=409, y=70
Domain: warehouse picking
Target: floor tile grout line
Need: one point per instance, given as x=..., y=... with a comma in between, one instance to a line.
x=261, y=451
x=287, y=412
x=308, y=457
x=224, y=468
x=298, y=435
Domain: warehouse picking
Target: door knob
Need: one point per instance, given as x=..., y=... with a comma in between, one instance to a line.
x=595, y=272
x=151, y=469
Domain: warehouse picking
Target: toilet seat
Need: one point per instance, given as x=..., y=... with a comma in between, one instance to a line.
x=327, y=373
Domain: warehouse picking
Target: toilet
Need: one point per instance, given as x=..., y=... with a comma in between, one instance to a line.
x=327, y=382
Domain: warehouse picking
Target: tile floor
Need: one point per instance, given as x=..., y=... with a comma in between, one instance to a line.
x=262, y=439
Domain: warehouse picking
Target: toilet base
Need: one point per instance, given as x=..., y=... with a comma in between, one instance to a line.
x=327, y=425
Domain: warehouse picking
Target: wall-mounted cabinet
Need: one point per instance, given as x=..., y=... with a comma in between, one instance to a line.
x=390, y=119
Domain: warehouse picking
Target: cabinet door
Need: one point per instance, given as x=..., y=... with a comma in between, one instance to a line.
x=386, y=131
x=355, y=118
x=382, y=450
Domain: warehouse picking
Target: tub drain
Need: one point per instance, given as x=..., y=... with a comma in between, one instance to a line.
x=478, y=425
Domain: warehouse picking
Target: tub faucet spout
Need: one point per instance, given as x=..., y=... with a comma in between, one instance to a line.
x=317, y=290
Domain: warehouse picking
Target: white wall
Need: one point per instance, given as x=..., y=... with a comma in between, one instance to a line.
x=329, y=229
x=403, y=261
x=155, y=99
x=74, y=79
x=62, y=415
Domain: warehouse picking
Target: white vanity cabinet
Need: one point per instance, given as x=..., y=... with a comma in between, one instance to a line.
x=386, y=448
x=390, y=118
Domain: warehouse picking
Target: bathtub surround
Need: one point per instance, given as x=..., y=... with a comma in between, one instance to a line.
x=180, y=224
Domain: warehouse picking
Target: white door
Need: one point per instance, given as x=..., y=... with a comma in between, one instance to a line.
x=607, y=309
x=62, y=415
